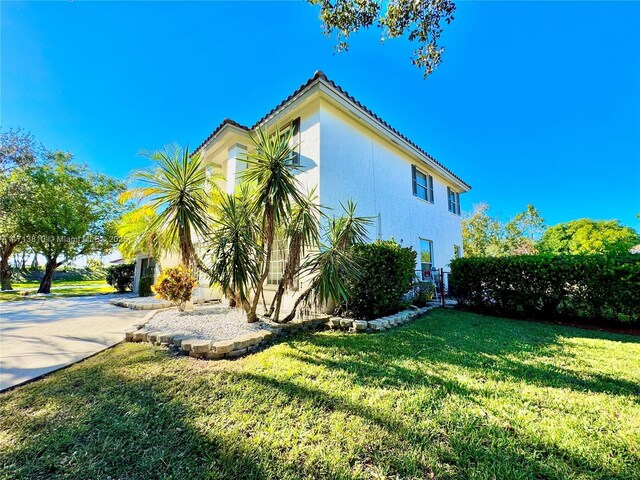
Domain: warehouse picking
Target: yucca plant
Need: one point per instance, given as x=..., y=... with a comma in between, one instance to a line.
x=235, y=251
x=271, y=170
x=176, y=190
x=334, y=262
x=301, y=234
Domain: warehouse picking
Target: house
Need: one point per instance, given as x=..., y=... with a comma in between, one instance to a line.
x=347, y=152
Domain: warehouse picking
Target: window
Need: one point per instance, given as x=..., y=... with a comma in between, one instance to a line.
x=426, y=258
x=456, y=251
x=276, y=267
x=294, y=126
x=454, y=201
x=422, y=184
x=295, y=138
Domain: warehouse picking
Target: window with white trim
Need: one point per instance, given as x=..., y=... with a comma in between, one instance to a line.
x=422, y=184
x=426, y=258
x=276, y=266
x=294, y=127
x=456, y=251
x=454, y=201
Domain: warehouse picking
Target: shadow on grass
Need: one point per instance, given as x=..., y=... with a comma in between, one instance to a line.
x=134, y=412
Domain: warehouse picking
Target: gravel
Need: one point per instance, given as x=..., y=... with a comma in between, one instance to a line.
x=217, y=322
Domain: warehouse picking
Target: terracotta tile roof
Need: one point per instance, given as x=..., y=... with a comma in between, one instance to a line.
x=319, y=75
x=226, y=121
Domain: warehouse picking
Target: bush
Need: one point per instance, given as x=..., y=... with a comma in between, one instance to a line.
x=144, y=287
x=175, y=285
x=592, y=288
x=120, y=276
x=387, y=272
x=421, y=293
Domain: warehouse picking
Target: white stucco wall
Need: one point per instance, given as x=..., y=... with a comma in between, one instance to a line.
x=360, y=165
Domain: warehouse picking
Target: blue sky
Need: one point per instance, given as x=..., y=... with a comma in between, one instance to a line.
x=534, y=102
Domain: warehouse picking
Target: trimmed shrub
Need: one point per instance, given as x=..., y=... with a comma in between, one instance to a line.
x=588, y=288
x=176, y=285
x=387, y=272
x=120, y=276
x=144, y=287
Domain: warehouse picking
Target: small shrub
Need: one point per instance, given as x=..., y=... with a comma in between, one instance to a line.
x=144, y=287
x=387, y=272
x=120, y=276
x=591, y=288
x=176, y=285
x=421, y=293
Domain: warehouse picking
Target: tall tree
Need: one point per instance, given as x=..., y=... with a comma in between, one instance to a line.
x=18, y=152
x=175, y=190
x=523, y=232
x=271, y=170
x=71, y=212
x=586, y=236
x=420, y=20
x=481, y=233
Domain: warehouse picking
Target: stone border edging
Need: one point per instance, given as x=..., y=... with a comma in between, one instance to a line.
x=251, y=342
x=379, y=324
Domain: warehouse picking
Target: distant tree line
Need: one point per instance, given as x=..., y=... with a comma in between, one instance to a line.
x=526, y=233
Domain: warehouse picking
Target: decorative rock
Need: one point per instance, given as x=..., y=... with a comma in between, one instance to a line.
x=360, y=325
x=222, y=346
x=178, y=339
x=128, y=334
x=165, y=338
x=186, y=344
x=246, y=340
x=346, y=322
x=265, y=334
x=137, y=336
x=214, y=355
x=334, y=321
x=237, y=353
x=201, y=346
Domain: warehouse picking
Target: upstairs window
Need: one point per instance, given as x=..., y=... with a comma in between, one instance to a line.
x=295, y=138
x=454, y=201
x=456, y=251
x=422, y=184
x=294, y=128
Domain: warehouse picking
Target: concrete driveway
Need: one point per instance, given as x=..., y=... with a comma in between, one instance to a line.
x=39, y=336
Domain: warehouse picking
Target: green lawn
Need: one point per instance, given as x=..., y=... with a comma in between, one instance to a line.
x=452, y=395
x=61, y=288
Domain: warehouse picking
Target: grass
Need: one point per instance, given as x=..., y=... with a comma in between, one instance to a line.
x=60, y=288
x=453, y=396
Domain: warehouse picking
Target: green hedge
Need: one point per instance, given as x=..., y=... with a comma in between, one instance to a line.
x=144, y=287
x=388, y=270
x=120, y=276
x=589, y=288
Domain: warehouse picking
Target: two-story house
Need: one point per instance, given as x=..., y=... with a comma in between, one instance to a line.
x=347, y=152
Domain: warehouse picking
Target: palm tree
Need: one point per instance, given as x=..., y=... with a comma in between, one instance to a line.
x=135, y=234
x=302, y=233
x=176, y=190
x=271, y=170
x=235, y=250
x=334, y=262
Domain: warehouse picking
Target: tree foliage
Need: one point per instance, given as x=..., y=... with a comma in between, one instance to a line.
x=18, y=152
x=174, y=194
x=420, y=20
x=586, y=236
x=486, y=236
x=71, y=212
